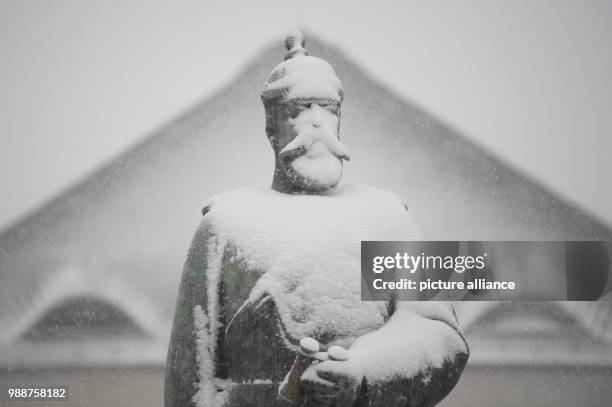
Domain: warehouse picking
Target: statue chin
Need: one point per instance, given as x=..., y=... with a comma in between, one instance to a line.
x=315, y=173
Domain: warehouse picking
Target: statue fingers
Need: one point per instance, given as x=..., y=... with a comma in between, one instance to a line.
x=318, y=386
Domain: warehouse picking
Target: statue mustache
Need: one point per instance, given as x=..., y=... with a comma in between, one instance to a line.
x=306, y=139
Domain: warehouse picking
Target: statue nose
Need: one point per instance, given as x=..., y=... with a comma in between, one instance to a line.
x=316, y=117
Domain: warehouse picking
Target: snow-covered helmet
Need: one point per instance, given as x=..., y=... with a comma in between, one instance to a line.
x=301, y=76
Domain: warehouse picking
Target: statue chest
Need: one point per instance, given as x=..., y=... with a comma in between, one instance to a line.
x=311, y=296
x=302, y=253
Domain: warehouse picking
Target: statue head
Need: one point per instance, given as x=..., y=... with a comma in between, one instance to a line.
x=302, y=98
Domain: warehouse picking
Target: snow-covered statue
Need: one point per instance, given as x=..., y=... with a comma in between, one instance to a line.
x=269, y=310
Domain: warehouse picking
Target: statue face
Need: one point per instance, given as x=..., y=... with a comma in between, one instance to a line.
x=307, y=143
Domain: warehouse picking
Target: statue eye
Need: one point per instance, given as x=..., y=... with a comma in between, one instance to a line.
x=303, y=106
x=294, y=110
x=331, y=107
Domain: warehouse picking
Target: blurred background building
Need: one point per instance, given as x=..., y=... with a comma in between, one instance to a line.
x=89, y=280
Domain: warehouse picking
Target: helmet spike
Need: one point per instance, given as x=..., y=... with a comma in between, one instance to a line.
x=295, y=44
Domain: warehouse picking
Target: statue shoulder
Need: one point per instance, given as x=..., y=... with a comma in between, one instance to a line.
x=220, y=208
x=370, y=192
x=235, y=198
x=385, y=207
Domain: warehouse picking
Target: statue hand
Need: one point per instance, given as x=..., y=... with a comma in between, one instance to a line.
x=331, y=383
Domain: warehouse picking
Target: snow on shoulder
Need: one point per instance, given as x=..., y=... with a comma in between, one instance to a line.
x=261, y=221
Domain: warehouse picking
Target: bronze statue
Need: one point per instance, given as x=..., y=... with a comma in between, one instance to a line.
x=269, y=310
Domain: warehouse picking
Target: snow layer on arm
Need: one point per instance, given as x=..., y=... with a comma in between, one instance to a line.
x=409, y=343
x=439, y=311
x=206, y=327
x=204, y=357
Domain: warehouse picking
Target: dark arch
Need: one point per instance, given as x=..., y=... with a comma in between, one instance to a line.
x=83, y=318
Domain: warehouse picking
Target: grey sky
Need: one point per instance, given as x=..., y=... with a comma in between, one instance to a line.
x=82, y=80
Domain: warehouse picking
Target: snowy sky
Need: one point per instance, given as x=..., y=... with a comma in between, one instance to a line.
x=82, y=80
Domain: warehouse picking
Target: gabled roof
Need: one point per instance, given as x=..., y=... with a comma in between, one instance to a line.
x=129, y=224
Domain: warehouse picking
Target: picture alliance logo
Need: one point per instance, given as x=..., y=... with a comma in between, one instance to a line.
x=412, y=264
